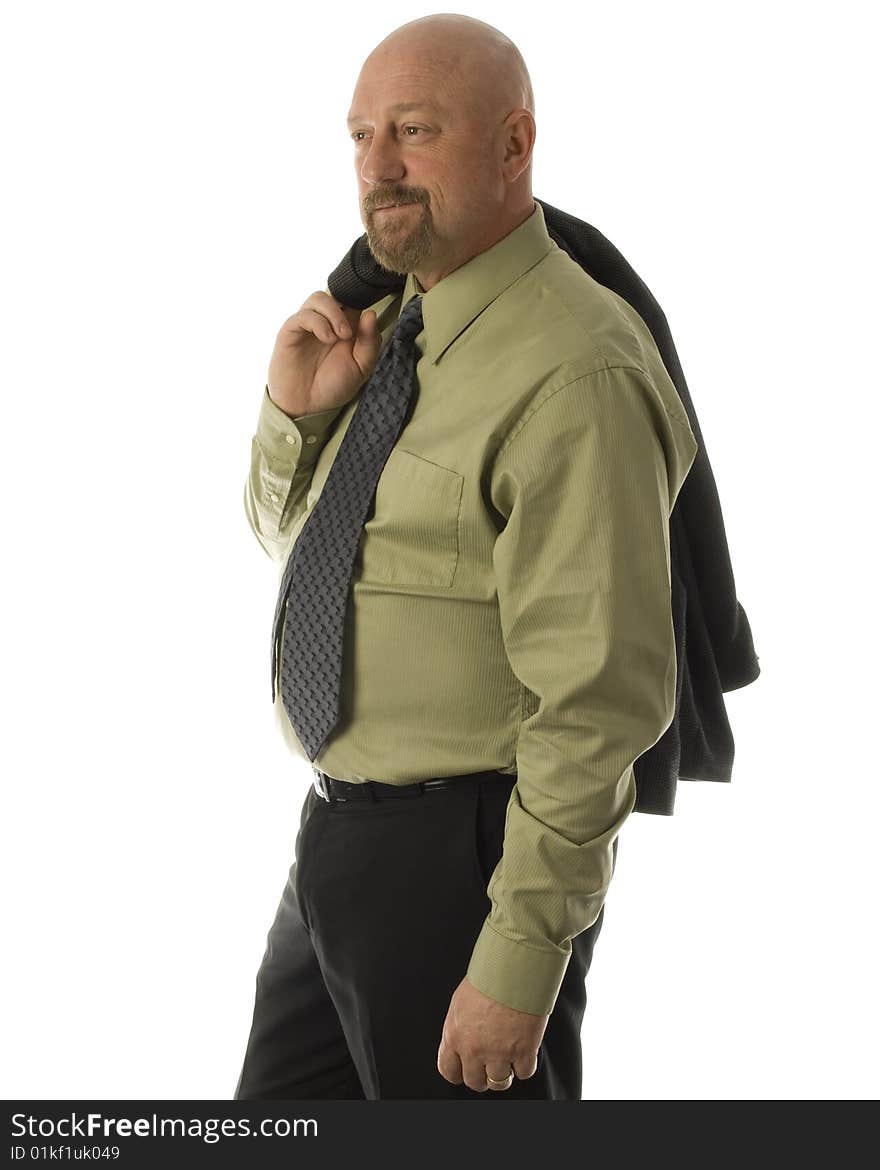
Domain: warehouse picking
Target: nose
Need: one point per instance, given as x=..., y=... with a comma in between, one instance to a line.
x=382, y=162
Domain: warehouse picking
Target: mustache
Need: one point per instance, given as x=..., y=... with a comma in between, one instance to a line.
x=382, y=198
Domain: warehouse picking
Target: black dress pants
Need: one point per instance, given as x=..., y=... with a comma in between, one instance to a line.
x=373, y=933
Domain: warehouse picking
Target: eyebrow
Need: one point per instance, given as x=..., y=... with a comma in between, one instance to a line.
x=400, y=108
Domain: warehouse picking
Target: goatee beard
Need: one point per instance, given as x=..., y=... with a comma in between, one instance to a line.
x=400, y=250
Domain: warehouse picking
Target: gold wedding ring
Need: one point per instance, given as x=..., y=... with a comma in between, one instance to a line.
x=505, y=1084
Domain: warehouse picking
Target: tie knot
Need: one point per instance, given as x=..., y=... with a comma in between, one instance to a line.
x=409, y=323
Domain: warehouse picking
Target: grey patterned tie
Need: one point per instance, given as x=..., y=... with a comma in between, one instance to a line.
x=317, y=577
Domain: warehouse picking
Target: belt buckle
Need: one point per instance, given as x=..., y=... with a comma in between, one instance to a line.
x=320, y=784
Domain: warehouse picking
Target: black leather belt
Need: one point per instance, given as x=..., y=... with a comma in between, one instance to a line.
x=333, y=790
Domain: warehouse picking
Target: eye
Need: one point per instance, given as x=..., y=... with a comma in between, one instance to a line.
x=356, y=135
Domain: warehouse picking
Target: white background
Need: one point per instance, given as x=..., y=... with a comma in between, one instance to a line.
x=178, y=180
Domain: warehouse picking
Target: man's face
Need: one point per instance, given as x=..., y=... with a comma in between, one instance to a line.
x=425, y=164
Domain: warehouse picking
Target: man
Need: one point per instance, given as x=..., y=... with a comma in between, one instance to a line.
x=507, y=647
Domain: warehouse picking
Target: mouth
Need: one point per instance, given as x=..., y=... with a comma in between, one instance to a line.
x=391, y=207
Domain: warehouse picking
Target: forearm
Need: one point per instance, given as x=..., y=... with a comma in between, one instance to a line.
x=284, y=452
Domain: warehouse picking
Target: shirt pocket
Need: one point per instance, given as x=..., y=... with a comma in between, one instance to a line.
x=412, y=536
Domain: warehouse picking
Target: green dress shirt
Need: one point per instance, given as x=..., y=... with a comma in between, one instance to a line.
x=511, y=592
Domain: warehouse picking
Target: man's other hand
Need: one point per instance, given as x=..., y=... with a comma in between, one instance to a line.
x=484, y=1037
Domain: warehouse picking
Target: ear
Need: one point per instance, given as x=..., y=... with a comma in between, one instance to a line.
x=519, y=142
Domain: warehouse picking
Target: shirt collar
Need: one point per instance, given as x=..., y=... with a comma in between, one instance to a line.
x=456, y=300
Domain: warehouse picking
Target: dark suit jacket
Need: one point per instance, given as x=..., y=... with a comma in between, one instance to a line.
x=712, y=635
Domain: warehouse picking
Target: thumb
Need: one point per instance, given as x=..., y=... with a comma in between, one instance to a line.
x=368, y=341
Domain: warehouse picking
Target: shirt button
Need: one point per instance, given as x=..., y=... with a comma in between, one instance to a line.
x=311, y=438
x=290, y=439
x=273, y=497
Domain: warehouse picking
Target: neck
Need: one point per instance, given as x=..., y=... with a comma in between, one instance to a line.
x=427, y=277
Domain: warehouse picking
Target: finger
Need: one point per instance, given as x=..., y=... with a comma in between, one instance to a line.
x=448, y=1064
x=474, y=1072
x=330, y=308
x=525, y=1067
x=311, y=321
x=500, y=1073
x=352, y=316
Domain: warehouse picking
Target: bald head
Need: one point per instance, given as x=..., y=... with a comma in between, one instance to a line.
x=483, y=67
x=442, y=118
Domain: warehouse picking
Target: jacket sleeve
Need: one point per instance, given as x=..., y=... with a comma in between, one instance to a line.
x=284, y=452
x=587, y=482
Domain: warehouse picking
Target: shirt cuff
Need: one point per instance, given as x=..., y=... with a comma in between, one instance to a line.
x=515, y=973
x=296, y=441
